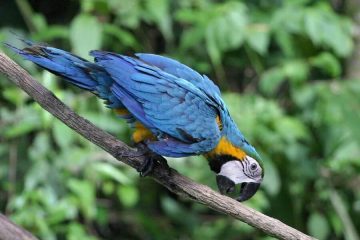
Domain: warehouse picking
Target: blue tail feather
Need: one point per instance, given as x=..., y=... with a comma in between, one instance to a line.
x=73, y=69
x=78, y=71
x=59, y=62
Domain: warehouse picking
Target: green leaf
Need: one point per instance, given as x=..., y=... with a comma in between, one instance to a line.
x=52, y=33
x=305, y=96
x=288, y=18
x=235, y=25
x=222, y=38
x=124, y=37
x=291, y=129
x=271, y=80
x=226, y=29
x=159, y=10
x=77, y=231
x=340, y=40
x=318, y=226
x=61, y=211
x=39, y=21
x=313, y=24
x=112, y=172
x=340, y=207
x=272, y=181
x=324, y=27
x=25, y=122
x=128, y=195
x=85, y=196
x=285, y=41
x=212, y=48
x=129, y=13
x=108, y=187
x=328, y=63
x=191, y=37
x=14, y=95
x=85, y=34
x=258, y=38
x=106, y=122
x=63, y=135
x=297, y=70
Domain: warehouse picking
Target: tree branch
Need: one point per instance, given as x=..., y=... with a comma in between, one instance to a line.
x=169, y=178
x=9, y=231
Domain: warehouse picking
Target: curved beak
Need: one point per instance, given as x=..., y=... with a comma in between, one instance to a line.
x=248, y=189
x=226, y=185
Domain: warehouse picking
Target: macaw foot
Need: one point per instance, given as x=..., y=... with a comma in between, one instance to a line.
x=151, y=159
x=147, y=167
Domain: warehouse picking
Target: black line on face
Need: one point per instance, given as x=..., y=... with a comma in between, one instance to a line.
x=245, y=164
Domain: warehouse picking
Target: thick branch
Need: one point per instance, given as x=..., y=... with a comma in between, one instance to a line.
x=169, y=178
x=9, y=231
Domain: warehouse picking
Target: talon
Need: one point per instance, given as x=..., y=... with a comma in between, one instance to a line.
x=150, y=161
x=162, y=161
x=147, y=167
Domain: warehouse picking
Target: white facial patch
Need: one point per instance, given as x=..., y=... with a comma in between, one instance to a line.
x=234, y=171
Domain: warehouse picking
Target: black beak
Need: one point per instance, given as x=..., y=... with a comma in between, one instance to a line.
x=226, y=186
x=247, y=191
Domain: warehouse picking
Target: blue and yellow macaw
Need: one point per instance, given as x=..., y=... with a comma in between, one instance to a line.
x=176, y=112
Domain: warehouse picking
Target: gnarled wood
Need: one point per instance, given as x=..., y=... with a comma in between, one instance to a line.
x=169, y=178
x=10, y=231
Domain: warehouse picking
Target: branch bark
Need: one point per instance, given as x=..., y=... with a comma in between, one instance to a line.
x=169, y=178
x=10, y=231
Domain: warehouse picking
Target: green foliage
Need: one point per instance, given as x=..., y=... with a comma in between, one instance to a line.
x=82, y=37
x=281, y=66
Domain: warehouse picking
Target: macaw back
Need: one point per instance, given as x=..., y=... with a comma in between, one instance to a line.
x=176, y=111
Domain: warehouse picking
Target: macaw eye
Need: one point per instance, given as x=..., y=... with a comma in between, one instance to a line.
x=253, y=166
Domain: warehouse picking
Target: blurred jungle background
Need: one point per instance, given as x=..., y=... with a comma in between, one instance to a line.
x=289, y=71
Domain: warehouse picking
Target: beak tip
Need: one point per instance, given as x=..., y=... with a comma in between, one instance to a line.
x=226, y=186
x=240, y=199
x=247, y=191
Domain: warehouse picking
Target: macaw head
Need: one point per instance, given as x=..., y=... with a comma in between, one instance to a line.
x=236, y=166
x=247, y=172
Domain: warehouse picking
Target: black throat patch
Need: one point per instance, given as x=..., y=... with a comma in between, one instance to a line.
x=215, y=162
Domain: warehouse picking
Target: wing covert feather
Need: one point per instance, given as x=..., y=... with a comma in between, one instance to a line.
x=184, y=116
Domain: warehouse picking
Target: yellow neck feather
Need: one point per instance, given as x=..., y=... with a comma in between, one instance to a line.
x=225, y=147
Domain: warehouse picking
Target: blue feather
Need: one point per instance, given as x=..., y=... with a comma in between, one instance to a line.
x=177, y=104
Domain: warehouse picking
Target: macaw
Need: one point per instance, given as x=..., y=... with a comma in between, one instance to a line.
x=175, y=111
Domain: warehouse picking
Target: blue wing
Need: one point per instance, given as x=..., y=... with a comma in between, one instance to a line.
x=202, y=82
x=179, y=113
x=180, y=70
x=175, y=102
